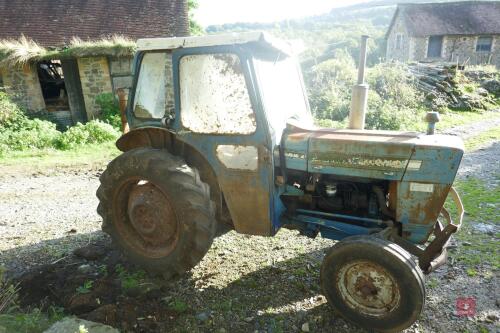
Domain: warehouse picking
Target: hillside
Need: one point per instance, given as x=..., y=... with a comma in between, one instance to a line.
x=331, y=44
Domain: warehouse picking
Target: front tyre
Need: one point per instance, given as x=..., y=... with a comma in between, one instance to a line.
x=157, y=210
x=373, y=283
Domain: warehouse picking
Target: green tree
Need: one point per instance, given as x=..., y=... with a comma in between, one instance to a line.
x=194, y=27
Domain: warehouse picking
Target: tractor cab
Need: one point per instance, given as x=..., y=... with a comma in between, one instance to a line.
x=229, y=98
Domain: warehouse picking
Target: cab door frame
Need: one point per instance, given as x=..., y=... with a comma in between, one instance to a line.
x=247, y=192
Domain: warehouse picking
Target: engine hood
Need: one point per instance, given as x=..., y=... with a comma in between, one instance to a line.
x=373, y=154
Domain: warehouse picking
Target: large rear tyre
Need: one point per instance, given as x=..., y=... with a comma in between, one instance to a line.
x=373, y=283
x=157, y=210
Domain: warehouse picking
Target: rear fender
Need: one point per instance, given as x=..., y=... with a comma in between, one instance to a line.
x=160, y=138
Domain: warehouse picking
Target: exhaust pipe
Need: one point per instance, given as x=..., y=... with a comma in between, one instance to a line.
x=359, y=97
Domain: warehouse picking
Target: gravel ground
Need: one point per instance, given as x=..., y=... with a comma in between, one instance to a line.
x=244, y=283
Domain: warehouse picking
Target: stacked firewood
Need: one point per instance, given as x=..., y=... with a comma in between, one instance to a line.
x=443, y=86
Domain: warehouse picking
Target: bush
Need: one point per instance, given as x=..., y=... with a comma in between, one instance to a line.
x=394, y=103
x=110, y=109
x=10, y=113
x=330, y=84
x=29, y=134
x=19, y=132
x=393, y=82
x=94, y=131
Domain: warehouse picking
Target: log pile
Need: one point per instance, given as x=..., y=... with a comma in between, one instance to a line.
x=441, y=85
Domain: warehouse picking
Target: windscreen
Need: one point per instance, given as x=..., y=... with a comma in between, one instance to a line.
x=280, y=82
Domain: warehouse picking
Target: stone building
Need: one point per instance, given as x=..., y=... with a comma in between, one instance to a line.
x=460, y=32
x=66, y=85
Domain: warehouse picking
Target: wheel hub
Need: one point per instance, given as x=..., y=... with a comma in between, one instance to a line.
x=145, y=219
x=150, y=214
x=368, y=288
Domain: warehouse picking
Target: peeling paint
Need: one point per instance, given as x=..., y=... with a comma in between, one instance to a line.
x=238, y=157
x=340, y=160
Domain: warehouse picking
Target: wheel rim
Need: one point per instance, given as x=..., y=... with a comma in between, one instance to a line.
x=145, y=219
x=368, y=288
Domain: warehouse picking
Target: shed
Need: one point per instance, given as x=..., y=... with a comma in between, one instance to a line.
x=58, y=56
x=464, y=32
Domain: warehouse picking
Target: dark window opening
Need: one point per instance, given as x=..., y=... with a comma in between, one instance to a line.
x=435, y=46
x=484, y=44
x=51, y=78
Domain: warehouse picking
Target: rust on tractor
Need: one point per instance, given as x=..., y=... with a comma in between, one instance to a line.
x=368, y=288
x=146, y=221
x=153, y=137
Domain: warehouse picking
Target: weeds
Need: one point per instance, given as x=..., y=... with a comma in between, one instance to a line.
x=8, y=294
x=85, y=288
x=13, y=319
x=129, y=280
x=178, y=306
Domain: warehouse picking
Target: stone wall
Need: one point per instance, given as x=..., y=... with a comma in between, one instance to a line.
x=22, y=84
x=393, y=52
x=96, y=79
x=457, y=48
x=419, y=49
x=121, y=73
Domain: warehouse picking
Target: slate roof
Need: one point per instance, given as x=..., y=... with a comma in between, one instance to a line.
x=450, y=18
x=55, y=22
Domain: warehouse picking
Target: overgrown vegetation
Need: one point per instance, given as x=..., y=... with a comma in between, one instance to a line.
x=393, y=102
x=18, y=132
x=24, y=50
x=110, y=110
x=15, y=319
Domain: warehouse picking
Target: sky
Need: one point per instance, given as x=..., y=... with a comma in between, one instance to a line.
x=230, y=11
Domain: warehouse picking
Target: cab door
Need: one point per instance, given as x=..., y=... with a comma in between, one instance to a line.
x=218, y=113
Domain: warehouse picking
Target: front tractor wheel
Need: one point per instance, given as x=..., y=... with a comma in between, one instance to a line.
x=157, y=210
x=373, y=283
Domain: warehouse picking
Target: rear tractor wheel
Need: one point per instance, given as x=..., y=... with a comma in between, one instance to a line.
x=157, y=210
x=373, y=283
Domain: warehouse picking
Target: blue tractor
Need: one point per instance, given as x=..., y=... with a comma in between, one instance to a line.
x=222, y=138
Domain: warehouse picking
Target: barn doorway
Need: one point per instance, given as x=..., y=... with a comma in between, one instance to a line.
x=51, y=78
x=62, y=91
x=435, y=47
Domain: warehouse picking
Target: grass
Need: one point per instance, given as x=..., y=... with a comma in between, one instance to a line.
x=482, y=205
x=39, y=159
x=482, y=139
x=178, y=306
x=453, y=118
x=24, y=50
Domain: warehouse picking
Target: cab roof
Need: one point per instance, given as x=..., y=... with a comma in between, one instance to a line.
x=262, y=38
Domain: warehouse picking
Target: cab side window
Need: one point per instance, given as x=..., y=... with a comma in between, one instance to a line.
x=214, y=96
x=154, y=95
